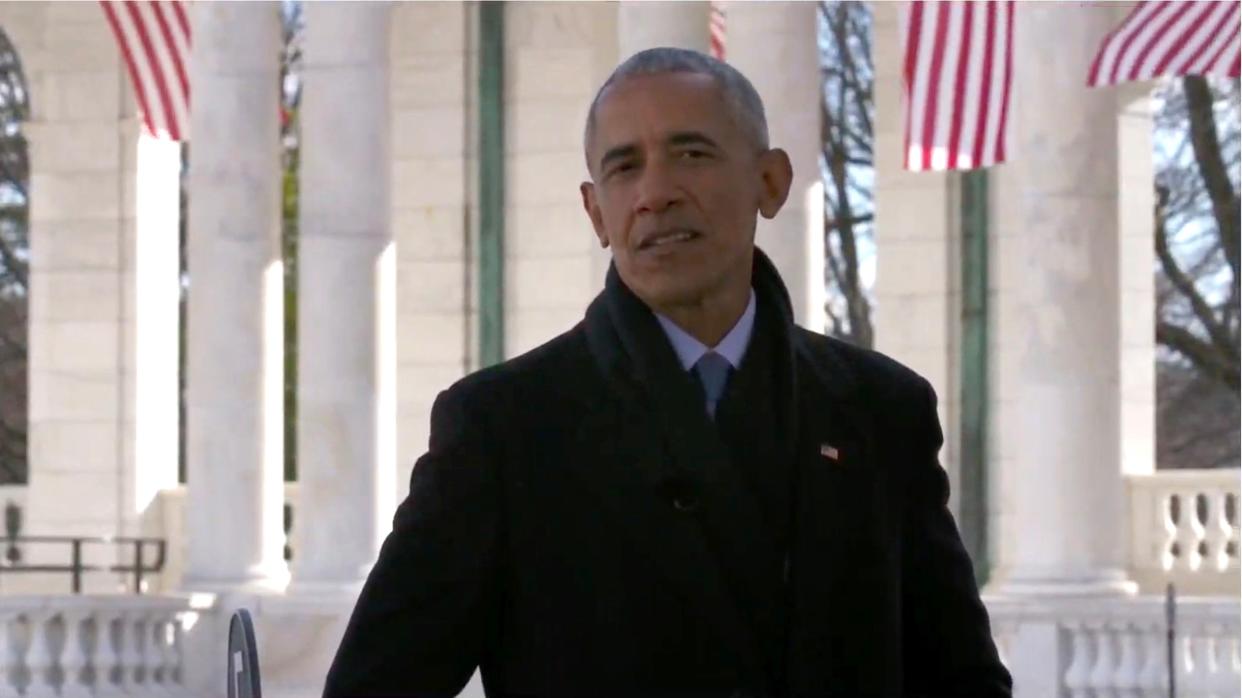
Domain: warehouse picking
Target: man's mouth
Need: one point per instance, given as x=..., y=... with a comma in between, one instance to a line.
x=671, y=237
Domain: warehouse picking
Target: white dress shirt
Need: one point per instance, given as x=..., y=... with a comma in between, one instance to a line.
x=732, y=346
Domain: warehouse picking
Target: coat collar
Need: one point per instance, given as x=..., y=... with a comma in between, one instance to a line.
x=615, y=346
x=818, y=401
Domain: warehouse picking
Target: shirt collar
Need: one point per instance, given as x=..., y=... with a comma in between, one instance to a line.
x=732, y=346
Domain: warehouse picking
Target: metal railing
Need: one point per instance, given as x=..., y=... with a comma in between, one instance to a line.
x=11, y=562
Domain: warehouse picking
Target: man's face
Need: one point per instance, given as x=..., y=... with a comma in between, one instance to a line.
x=677, y=184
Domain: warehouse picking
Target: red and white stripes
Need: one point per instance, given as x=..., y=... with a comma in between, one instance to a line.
x=957, y=76
x=154, y=38
x=1160, y=39
x=716, y=31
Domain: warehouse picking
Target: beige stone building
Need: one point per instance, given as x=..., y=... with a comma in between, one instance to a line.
x=441, y=227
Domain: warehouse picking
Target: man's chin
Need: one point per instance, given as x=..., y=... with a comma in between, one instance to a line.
x=672, y=293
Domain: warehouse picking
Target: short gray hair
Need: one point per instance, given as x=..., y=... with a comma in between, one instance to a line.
x=738, y=92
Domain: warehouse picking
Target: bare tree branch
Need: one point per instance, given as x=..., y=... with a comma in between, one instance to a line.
x=1199, y=353
x=846, y=140
x=14, y=272
x=1224, y=198
x=12, y=264
x=1186, y=287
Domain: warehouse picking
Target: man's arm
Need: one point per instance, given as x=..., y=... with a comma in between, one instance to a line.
x=430, y=605
x=948, y=645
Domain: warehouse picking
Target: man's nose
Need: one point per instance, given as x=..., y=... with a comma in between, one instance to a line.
x=657, y=189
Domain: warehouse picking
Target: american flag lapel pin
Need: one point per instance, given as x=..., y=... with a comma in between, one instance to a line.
x=830, y=452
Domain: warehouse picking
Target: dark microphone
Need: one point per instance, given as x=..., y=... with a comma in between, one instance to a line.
x=682, y=492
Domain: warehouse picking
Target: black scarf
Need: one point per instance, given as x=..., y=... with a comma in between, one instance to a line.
x=699, y=465
x=655, y=364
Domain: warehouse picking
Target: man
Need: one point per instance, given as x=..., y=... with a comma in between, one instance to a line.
x=685, y=494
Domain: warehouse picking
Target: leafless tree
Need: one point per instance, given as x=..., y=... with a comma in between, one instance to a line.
x=847, y=163
x=1196, y=231
x=292, y=30
x=14, y=264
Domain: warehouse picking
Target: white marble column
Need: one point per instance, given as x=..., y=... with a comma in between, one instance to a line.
x=1136, y=202
x=1056, y=397
x=775, y=45
x=643, y=25
x=346, y=298
x=235, y=314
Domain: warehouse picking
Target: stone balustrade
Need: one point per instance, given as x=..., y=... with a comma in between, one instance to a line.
x=78, y=646
x=1118, y=647
x=1184, y=531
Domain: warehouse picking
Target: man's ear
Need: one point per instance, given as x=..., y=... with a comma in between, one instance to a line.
x=591, y=206
x=776, y=177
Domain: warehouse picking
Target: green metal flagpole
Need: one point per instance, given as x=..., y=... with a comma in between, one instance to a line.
x=491, y=182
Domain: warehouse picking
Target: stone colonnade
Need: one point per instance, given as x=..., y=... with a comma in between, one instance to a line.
x=386, y=279
x=348, y=276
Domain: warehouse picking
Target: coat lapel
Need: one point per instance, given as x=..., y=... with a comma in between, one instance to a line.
x=728, y=514
x=727, y=511
x=717, y=550
x=643, y=473
x=839, y=518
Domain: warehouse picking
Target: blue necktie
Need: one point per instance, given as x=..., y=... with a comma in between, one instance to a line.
x=713, y=372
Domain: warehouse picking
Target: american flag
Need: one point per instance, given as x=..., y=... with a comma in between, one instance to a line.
x=957, y=75
x=154, y=38
x=1160, y=39
x=716, y=25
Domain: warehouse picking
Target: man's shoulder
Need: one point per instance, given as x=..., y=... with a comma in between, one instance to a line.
x=551, y=367
x=872, y=373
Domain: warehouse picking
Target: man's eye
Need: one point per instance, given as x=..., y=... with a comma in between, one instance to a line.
x=694, y=154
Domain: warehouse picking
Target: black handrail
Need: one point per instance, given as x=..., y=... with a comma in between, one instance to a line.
x=12, y=563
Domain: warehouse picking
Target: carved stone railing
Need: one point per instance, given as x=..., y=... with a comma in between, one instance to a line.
x=94, y=645
x=1118, y=647
x=1184, y=530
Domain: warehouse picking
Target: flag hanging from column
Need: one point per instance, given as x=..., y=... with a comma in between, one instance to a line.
x=957, y=74
x=1170, y=39
x=154, y=38
x=716, y=31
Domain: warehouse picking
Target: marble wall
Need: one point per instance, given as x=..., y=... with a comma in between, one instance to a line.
x=102, y=403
